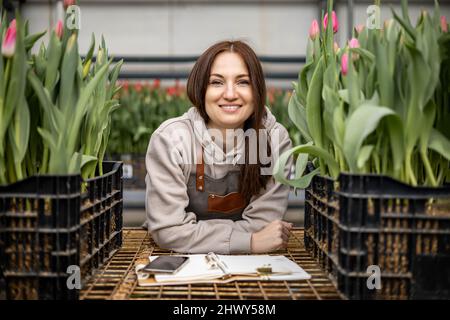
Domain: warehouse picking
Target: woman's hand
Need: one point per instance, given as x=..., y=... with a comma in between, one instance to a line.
x=272, y=237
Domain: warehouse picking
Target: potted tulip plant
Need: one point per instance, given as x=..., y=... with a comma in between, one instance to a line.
x=359, y=107
x=374, y=115
x=60, y=203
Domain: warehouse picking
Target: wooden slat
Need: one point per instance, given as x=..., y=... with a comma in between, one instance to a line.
x=117, y=279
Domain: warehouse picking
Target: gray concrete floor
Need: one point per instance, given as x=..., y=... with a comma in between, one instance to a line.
x=134, y=217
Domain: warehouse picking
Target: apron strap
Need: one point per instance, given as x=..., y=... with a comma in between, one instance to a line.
x=200, y=172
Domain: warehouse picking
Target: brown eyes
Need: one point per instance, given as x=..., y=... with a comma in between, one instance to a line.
x=219, y=83
x=244, y=82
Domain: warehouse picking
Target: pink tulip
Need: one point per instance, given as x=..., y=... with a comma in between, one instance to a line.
x=59, y=29
x=314, y=29
x=444, y=25
x=138, y=86
x=68, y=3
x=172, y=91
x=334, y=20
x=359, y=28
x=344, y=64
x=353, y=43
x=156, y=83
x=9, y=41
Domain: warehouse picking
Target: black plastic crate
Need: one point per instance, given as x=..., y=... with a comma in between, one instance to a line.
x=375, y=220
x=48, y=223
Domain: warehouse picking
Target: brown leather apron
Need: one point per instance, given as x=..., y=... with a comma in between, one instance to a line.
x=211, y=198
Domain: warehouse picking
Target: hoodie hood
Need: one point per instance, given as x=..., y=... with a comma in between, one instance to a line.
x=212, y=140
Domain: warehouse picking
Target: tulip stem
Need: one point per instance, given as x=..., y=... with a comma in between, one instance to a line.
x=44, y=167
x=409, y=170
x=10, y=165
x=428, y=169
x=6, y=78
x=440, y=171
x=2, y=174
x=18, y=167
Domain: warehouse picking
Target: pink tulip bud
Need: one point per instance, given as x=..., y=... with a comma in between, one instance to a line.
x=334, y=20
x=68, y=3
x=444, y=25
x=314, y=29
x=353, y=43
x=359, y=28
x=59, y=29
x=9, y=41
x=344, y=64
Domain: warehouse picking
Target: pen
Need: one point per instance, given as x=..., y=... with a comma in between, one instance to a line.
x=214, y=261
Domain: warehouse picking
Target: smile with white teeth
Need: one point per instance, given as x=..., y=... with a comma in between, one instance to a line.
x=230, y=107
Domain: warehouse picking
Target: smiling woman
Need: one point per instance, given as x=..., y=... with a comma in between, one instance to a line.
x=229, y=98
x=208, y=186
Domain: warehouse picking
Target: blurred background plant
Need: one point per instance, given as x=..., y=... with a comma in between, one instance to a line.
x=144, y=106
x=277, y=101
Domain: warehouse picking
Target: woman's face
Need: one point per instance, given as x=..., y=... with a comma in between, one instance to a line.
x=229, y=97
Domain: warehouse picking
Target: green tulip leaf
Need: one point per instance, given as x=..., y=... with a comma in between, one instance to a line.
x=361, y=123
x=439, y=143
x=301, y=182
x=364, y=155
x=297, y=114
x=313, y=104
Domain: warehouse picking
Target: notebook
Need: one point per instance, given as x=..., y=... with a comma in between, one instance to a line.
x=213, y=268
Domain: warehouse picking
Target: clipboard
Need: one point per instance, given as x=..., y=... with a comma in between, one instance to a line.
x=213, y=268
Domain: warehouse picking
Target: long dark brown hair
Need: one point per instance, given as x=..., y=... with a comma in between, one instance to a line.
x=251, y=181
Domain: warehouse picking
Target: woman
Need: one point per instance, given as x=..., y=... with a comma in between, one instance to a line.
x=207, y=190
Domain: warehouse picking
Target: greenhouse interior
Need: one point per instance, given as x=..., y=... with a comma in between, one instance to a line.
x=225, y=150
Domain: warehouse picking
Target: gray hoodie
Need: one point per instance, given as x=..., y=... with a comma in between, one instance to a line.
x=171, y=157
